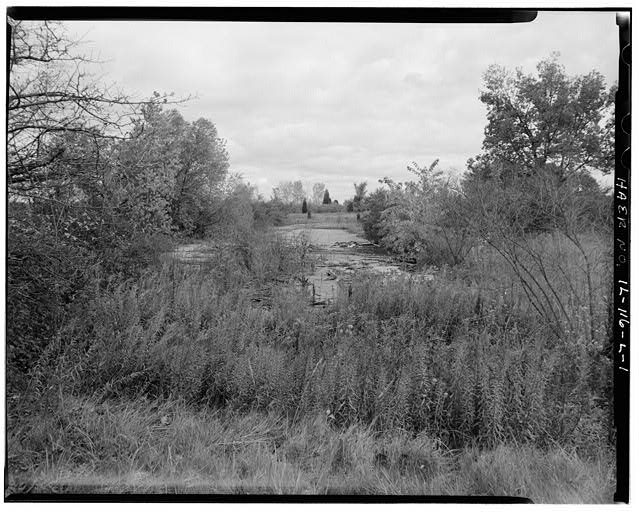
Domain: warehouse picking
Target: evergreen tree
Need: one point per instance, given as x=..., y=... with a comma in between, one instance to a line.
x=327, y=198
x=304, y=206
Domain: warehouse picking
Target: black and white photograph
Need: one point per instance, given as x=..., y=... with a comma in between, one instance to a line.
x=343, y=256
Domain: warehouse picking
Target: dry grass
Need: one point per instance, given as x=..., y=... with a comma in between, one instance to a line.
x=167, y=447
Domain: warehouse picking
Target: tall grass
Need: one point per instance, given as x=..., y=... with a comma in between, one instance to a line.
x=401, y=373
x=165, y=446
x=420, y=356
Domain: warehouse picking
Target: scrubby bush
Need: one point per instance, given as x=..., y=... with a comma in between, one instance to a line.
x=328, y=208
x=44, y=279
x=374, y=205
x=270, y=213
x=424, y=221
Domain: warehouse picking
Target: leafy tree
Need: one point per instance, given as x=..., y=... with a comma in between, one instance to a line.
x=95, y=182
x=421, y=220
x=169, y=173
x=327, y=198
x=360, y=193
x=531, y=195
x=67, y=136
x=233, y=214
x=204, y=164
x=289, y=192
x=145, y=170
x=375, y=204
x=64, y=133
x=549, y=120
x=299, y=194
x=349, y=205
x=318, y=193
x=413, y=224
x=281, y=194
x=549, y=125
x=52, y=95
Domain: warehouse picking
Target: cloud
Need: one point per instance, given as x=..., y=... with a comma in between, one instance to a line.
x=415, y=79
x=339, y=103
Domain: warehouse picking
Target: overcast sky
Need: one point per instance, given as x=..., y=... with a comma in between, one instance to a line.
x=340, y=103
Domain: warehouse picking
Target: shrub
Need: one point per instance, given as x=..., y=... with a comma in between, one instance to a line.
x=328, y=208
x=45, y=278
x=374, y=205
x=271, y=213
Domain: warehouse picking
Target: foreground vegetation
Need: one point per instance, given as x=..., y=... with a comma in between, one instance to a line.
x=163, y=446
x=406, y=386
